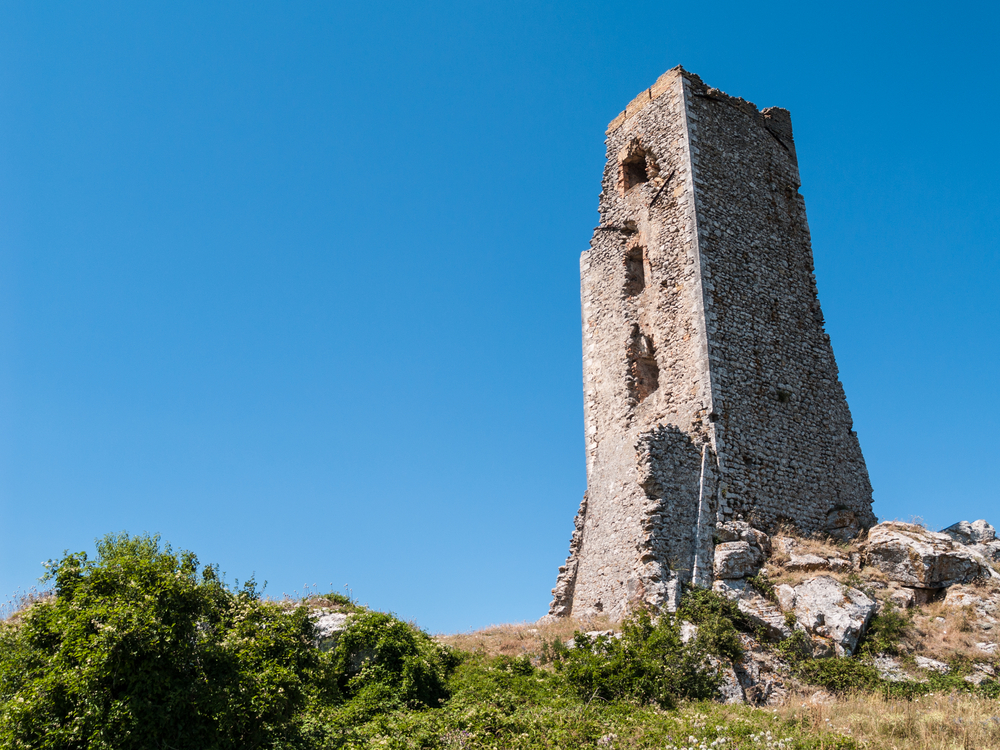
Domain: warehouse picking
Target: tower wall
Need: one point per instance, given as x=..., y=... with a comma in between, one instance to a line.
x=710, y=388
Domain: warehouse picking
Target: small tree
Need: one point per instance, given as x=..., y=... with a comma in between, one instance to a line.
x=136, y=650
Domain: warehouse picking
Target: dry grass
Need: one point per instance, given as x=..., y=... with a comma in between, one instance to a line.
x=932, y=722
x=17, y=604
x=946, y=632
x=526, y=638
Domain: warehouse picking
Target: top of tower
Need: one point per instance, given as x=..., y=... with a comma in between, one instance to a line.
x=775, y=119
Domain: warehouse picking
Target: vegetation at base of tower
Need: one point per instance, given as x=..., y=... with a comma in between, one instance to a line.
x=142, y=648
x=647, y=663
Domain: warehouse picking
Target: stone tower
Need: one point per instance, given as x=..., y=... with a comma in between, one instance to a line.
x=710, y=389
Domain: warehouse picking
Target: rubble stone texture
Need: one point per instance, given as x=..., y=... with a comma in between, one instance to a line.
x=711, y=393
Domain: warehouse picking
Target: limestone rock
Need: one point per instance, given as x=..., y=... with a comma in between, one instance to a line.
x=932, y=665
x=730, y=690
x=830, y=610
x=737, y=560
x=741, y=531
x=689, y=631
x=977, y=532
x=329, y=626
x=751, y=603
x=903, y=598
x=786, y=597
x=989, y=550
x=917, y=557
x=889, y=669
x=806, y=562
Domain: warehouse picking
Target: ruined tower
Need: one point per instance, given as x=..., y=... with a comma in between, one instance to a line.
x=710, y=388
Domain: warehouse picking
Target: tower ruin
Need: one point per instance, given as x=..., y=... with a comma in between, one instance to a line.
x=711, y=393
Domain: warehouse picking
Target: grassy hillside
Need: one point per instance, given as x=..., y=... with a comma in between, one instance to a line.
x=143, y=648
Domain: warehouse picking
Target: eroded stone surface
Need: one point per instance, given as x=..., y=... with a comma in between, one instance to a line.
x=806, y=562
x=737, y=560
x=751, y=603
x=977, y=532
x=828, y=609
x=914, y=556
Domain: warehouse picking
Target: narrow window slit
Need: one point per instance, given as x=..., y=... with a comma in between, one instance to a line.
x=635, y=270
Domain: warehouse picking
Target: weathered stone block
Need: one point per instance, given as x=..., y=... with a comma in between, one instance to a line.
x=737, y=560
x=830, y=610
x=920, y=558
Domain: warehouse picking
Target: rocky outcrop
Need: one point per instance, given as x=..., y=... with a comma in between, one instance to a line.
x=835, y=615
x=916, y=557
x=329, y=626
x=979, y=536
x=977, y=532
x=756, y=607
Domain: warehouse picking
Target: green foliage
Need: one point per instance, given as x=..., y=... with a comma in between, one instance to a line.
x=796, y=647
x=885, y=631
x=552, y=651
x=764, y=585
x=840, y=675
x=137, y=651
x=384, y=664
x=648, y=663
x=852, y=675
x=718, y=620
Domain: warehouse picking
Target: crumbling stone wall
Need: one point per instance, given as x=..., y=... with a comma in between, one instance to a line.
x=710, y=387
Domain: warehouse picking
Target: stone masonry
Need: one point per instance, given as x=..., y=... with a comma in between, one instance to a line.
x=711, y=393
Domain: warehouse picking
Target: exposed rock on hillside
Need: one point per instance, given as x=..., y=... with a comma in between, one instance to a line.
x=914, y=556
x=835, y=615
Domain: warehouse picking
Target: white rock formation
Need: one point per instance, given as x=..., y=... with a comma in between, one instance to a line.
x=914, y=556
x=828, y=609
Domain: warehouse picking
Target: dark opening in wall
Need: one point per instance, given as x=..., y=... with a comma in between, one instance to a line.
x=644, y=374
x=635, y=170
x=635, y=270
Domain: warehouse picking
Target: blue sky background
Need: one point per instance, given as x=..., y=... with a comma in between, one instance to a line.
x=296, y=284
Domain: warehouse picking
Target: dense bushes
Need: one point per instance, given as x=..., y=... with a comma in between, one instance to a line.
x=649, y=662
x=383, y=664
x=136, y=650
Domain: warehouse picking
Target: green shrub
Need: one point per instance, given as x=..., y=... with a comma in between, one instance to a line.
x=718, y=620
x=840, y=675
x=764, y=585
x=647, y=663
x=383, y=664
x=135, y=650
x=884, y=632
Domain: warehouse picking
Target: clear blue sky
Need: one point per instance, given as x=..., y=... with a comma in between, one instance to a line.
x=296, y=284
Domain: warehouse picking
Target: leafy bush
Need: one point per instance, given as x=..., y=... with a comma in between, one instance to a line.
x=648, y=663
x=851, y=675
x=885, y=631
x=718, y=620
x=137, y=651
x=840, y=675
x=383, y=664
